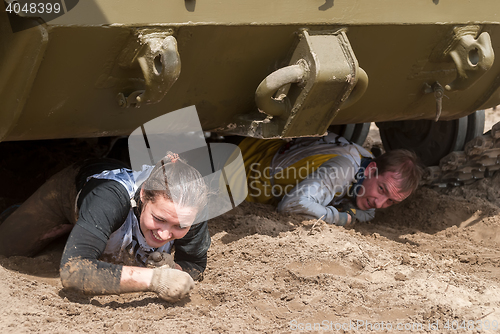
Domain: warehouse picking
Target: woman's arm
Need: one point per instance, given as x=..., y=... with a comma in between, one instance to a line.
x=89, y=275
x=81, y=270
x=135, y=279
x=191, y=251
x=169, y=284
x=85, y=273
x=102, y=211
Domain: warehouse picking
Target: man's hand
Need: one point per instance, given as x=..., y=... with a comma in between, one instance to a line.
x=350, y=221
x=357, y=215
x=351, y=210
x=171, y=284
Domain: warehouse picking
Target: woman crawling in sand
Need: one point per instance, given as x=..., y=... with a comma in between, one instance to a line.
x=120, y=216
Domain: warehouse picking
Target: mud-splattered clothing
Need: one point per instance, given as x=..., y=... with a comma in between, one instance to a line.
x=127, y=245
x=308, y=176
x=103, y=207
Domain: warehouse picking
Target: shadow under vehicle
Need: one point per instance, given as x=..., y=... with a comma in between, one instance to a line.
x=101, y=68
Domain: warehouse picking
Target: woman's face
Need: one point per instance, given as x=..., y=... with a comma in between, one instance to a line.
x=162, y=221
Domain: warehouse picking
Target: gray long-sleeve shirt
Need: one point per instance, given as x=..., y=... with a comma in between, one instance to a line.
x=316, y=196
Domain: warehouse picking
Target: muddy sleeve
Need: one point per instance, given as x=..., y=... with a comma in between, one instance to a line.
x=103, y=210
x=191, y=251
x=312, y=196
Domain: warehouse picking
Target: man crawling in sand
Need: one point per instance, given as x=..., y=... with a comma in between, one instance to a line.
x=327, y=178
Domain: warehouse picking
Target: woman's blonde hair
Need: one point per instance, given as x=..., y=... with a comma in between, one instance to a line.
x=177, y=181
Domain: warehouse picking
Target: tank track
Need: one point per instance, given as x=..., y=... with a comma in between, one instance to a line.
x=479, y=159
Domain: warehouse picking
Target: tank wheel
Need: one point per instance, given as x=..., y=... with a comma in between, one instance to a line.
x=356, y=133
x=431, y=140
x=475, y=125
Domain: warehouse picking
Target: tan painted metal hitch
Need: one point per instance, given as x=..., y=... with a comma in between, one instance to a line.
x=264, y=95
x=155, y=52
x=303, y=98
x=299, y=73
x=472, y=56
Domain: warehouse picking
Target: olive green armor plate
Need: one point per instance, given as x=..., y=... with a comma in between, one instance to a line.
x=255, y=68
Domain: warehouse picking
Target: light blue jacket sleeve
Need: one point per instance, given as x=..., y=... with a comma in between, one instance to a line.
x=312, y=197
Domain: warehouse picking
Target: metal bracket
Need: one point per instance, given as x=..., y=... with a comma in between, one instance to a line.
x=155, y=52
x=279, y=106
x=302, y=99
x=473, y=56
x=438, y=91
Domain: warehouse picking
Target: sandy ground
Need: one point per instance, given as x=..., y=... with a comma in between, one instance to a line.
x=429, y=263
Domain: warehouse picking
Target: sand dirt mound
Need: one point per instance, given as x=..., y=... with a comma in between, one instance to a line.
x=433, y=260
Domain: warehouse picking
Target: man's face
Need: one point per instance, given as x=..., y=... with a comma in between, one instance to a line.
x=379, y=191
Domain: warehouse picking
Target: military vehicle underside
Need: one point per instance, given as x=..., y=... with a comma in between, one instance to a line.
x=254, y=68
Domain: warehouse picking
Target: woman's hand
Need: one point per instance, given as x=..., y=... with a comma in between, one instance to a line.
x=160, y=259
x=171, y=284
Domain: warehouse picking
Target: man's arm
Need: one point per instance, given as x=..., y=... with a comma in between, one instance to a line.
x=312, y=196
